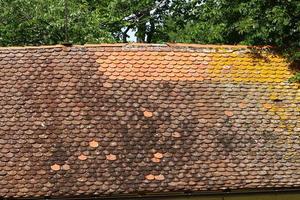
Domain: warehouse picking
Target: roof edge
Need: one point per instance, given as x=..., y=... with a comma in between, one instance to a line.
x=179, y=45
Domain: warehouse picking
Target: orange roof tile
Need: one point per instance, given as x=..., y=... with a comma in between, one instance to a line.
x=158, y=155
x=111, y=157
x=82, y=157
x=55, y=167
x=94, y=144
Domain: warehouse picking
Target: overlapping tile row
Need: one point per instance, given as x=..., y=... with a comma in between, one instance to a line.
x=132, y=119
x=217, y=64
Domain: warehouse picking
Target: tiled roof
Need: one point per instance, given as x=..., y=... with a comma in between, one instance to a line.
x=118, y=119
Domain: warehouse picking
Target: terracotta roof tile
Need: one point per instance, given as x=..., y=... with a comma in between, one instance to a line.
x=229, y=113
x=82, y=157
x=66, y=167
x=155, y=160
x=150, y=177
x=158, y=155
x=55, y=167
x=148, y=114
x=159, y=177
x=94, y=144
x=129, y=118
x=111, y=157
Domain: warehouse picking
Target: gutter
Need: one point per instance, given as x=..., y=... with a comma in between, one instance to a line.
x=149, y=196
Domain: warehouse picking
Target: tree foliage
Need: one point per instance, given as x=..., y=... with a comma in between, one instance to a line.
x=251, y=22
x=34, y=22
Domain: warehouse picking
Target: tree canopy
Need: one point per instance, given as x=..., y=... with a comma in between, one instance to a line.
x=35, y=22
x=251, y=22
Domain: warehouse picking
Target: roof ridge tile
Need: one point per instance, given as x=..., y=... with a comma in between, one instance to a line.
x=133, y=44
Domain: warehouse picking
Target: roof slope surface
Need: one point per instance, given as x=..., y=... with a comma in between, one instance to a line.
x=99, y=120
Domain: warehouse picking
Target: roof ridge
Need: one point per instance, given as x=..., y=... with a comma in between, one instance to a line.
x=180, y=45
x=33, y=47
x=216, y=45
x=65, y=46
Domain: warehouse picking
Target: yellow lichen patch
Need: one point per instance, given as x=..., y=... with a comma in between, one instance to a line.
x=288, y=132
x=273, y=96
x=248, y=67
x=297, y=97
x=291, y=155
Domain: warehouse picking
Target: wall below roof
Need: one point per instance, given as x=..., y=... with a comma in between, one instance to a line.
x=270, y=196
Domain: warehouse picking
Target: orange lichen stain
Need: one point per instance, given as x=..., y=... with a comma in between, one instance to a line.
x=150, y=177
x=111, y=157
x=242, y=105
x=159, y=177
x=248, y=67
x=228, y=113
x=169, y=66
x=267, y=106
x=55, y=167
x=66, y=167
x=82, y=157
x=93, y=144
x=148, y=114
